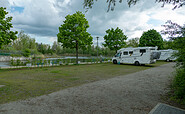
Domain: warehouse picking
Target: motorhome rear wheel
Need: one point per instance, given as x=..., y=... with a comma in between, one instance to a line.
x=137, y=63
x=167, y=60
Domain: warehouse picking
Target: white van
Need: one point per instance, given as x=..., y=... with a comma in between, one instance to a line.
x=137, y=56
x=167, y=55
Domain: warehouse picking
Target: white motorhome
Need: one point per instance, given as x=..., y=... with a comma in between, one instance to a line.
x=167, y=55
x=137, y=56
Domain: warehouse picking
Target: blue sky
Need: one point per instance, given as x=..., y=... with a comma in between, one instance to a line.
x=155, y=22
x=41, y=18
x=17, y=9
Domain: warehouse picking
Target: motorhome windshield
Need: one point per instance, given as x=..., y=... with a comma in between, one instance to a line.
x=118, y=54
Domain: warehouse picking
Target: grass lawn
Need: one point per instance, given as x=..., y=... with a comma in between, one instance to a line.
x=30, y=82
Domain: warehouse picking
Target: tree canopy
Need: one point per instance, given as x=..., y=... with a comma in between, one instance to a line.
x=6, y=35
x=24, y=41
x=151, y=38
x=112, y=3
x=177, y=35
x=73, y=33
x=169, y=44
x=134, y=42
x=115, y=39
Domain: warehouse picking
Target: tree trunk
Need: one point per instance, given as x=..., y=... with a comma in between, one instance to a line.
x=76, y=52
x=116, y=48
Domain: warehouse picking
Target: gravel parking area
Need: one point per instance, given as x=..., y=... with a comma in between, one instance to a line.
x=134, y=93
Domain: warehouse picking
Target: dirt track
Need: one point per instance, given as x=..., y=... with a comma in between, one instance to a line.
x=134, y=93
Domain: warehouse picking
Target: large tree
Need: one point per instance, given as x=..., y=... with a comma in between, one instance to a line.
x=56, y=47
x=177, y=35
x=6, y=35
x=134, y=42
x=115, y=39
x=169, y=44
x=73, y=33
x=112, y=3
x=24, y=41
x=151, y=38
x=43, y=48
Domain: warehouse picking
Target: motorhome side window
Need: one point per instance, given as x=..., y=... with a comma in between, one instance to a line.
x=142, y=50
x=125, y=53
x=130, y=52
x=118, y=55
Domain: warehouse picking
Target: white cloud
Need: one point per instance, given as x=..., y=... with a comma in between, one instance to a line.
x=39, y=16
x=4, y=3
x=174, y=15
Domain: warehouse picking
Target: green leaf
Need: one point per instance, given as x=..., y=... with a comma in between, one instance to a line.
x=6, y=36
x=151, y=38
x=115, y=39
x=73, y=33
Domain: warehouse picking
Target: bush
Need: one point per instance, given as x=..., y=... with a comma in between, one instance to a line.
x=68, y=60
x=45, y=62
x=26, y=53
x=12, y=62
x=16, y=55
x=49, y=61
x=178, y=85
x=34, y=62
x=18, y=62
x=28, y=61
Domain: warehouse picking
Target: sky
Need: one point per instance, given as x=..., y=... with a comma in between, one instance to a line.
x=41, y=19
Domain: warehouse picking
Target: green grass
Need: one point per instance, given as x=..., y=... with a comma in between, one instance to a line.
x=31, y=82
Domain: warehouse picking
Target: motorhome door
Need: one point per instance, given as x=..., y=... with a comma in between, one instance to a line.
x=118, y=57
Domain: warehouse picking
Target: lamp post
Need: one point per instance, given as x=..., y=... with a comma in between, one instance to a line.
x=97, y=46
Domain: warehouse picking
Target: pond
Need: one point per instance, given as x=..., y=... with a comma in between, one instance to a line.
x=66, y=59
x=4, y=64
x=69, y=57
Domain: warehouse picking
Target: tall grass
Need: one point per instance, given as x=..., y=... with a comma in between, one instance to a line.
x=178, y=86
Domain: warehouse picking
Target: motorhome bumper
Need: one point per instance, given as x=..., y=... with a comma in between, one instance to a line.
x=153, y=61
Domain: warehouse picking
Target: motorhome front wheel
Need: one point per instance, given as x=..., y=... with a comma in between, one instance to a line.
x=115, y=61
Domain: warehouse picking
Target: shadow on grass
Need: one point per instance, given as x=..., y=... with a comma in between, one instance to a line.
x=158, y=63
x=142, y=65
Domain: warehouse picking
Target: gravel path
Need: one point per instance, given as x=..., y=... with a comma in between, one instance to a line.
x=134, y=93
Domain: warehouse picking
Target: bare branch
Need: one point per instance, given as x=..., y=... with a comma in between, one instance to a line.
x=112, y=3
x=176, y=3
x=173, y=30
